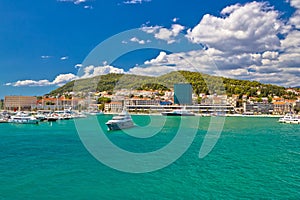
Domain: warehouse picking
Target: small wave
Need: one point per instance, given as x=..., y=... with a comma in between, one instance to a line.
x=287, y=182
x=294, y=152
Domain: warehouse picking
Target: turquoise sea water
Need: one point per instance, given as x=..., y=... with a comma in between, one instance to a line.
x=254, y=158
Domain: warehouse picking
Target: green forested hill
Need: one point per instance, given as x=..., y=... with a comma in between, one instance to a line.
x=201, y=83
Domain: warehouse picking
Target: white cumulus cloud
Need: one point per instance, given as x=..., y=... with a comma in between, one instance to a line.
x=164, y=63
x=63, y=79
x=91, y=71
x=78, y=66
x=295, y=19
x=271, y=55
x=45, y=57
x=59, y=81
x=150, y=29
x=161, y=58
x=88, y=7
x=253, y=27
x=168, y=35
x=64, y=58
x=152, y=70
x=175, y=19
x=135, y=39
x=31, y=83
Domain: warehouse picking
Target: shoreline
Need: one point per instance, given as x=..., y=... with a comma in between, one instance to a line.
x=204, y=115
x=198, y=115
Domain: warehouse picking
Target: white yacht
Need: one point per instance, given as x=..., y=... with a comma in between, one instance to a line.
x=51, y=117
x=23, y=118
x=178, y=112
x=289, y=119
x=41, y=117
x=120, y=121
x=76, y=115
x=3, y=119
x=4, y=116
x=63, y=114
x=94, y=113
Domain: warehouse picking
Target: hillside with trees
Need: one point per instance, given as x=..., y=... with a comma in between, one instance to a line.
x=201, y=83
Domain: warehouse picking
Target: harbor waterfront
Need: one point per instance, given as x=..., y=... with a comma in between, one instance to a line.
x=149, y=99
x=254, y=157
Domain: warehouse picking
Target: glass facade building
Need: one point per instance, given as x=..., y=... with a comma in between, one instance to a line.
x=183, y=94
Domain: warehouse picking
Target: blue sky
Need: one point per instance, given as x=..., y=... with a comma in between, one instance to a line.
x=43, y=44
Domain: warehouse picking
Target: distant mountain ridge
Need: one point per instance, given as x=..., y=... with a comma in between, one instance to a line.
x=201, y=83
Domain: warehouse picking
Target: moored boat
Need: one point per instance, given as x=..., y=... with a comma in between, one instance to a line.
x=23, y=118
x=52, y=117
x=3, y=120
x=179, y=112
x=76, y=115
x=120, y=121
x=289, y=119
x=94, y=113
x=63, y=114
x=40, y=117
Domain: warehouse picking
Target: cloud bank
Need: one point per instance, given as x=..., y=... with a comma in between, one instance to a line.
x=247, y=41
x=59, y=81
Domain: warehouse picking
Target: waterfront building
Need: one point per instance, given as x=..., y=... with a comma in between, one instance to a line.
x=200, y=109
x=19, y=102
x=232, y=100
x=183, y=94
x=214, y=99
x=282, y=107
x=277, y=99
x=142, y=101
x=114, y=106
x=258, y=108
x=59, y=103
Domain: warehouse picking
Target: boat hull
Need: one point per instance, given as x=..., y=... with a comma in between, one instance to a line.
x=177, y=114
x=289, y=120
x=23, y=118
x=3, y=121
x=52, y=119
x=24, y=121
x=119, y=125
